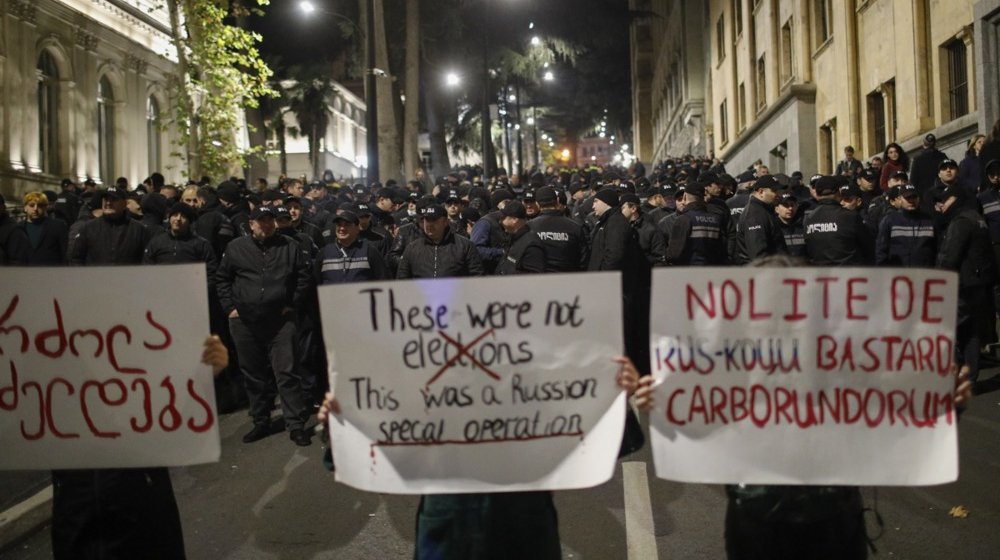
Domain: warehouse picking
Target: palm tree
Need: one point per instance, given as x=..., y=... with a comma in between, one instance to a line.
x=307, y=99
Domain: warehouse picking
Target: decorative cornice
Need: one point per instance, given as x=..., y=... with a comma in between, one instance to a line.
x=135, y=64
x=25, y=11
x=85, y=39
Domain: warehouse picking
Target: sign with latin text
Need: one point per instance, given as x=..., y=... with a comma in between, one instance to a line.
x=475, y=385
x=804, y=375
x=101, y=367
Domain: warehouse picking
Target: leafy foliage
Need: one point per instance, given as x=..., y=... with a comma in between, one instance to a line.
x=225, y=75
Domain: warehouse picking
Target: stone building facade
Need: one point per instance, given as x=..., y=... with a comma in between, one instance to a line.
x=83, y=92
x=670, y=78
x=791, y=82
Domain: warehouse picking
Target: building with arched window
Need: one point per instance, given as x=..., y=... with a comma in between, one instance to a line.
x=82, y=87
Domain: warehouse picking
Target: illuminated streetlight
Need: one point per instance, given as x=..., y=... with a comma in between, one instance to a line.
x=601, y=135
x=549, y=76
x=531, y=25
x=452, y=79
x=536, y=40
x=512, y=98
x=307, y=7
x=565, y=153
x=531, y=120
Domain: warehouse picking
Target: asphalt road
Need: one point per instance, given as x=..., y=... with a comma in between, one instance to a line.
x=271, y=500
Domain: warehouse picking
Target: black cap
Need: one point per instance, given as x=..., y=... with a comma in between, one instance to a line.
x=827, y=184
x=947, y=163
x=433, y=212
x=930, y=139
x=471, y=215
x=67, y=181
x=514, y=209
x=629, y=197
x=262, y=211
x=453, y=194
x=228, y=192
x=385, y=192
x=850, y=190
x=908, y=191
x=545, y=195
x=115, y=194
x=993, y=167
x=696, y=188
x=499, y=196
x=900, y=175
x=767, y=182
x=608, y=196
x=364, y=210
x=183, y=209
x=281, y=212
x=787, y=199
x=347, y=216
x=745, y=177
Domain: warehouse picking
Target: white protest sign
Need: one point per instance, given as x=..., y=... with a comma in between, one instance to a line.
x=101, y=367
x=475, y=385
x=804, y=375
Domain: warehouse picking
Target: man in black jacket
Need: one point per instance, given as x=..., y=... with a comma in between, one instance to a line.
x=906, y=237
x=965, y=248
x=438, y=252
x=696, y=233
x=14, y=246
x=47, y=236
x=562, y=238
x=923, y=170
x=179, y=244
x=262, y=281
x=524, y=254
x=758, y=233
x=114, y=238
x=836, y=236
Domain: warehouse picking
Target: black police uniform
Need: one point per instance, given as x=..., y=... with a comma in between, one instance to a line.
x=524, y=255
x=836, y=236
x=697, y=237
x=758, y=233
x=563, y=239
x=906, y=238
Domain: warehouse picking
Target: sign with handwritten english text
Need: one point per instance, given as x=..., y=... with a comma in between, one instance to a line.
x=101, y=367
x=804, y=375
x=475, y=385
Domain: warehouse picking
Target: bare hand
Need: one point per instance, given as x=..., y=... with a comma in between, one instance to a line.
x=234, y=314
x=329, y=405
x=627, y=377
x=644, y=393
x=215, y=354
x=963, y=387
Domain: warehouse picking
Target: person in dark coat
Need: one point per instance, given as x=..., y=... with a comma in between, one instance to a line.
x=696, y=236
x=114, y=238
x=615, y=246
x=47, y=236
x=923, y=171
x=792, y=229
x=650, y=239
x=525, y=253
x=758, y=233
x=179, y=243
x=438, y=252
x=966, y=248
x=488, y=234
x=263, y=281
x=836, y=236
x=15, y=249
x=234, y=208
x=906, y=238
x=970, y=171
x=564, y=240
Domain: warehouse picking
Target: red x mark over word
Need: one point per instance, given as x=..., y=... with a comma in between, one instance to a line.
x=463, y=351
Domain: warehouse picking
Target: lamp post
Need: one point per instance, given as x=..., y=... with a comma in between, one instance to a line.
x=371, y=101
x=371, y=108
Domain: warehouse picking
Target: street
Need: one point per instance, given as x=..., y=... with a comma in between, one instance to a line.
x=271, y=501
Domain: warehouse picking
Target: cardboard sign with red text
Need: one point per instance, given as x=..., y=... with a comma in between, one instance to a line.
x=475, y=384
x=101, y=367
x=804, y=375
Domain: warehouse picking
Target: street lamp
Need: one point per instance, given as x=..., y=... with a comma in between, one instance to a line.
x=452, y=79
x=371, y=102
x=549, y=76
x=536, y=40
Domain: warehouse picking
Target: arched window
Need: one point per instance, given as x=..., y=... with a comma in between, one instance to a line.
x=153, y=134
x=105, y=130
x=48, y=114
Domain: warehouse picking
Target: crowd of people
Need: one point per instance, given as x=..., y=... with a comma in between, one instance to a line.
x=267, y=249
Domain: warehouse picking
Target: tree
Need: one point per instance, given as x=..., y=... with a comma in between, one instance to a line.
x=411, y=118
x=308, y=101
x=220, y=74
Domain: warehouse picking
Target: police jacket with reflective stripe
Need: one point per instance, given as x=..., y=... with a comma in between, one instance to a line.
x=697, y=237
x=906, y=238
x=358, y=262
